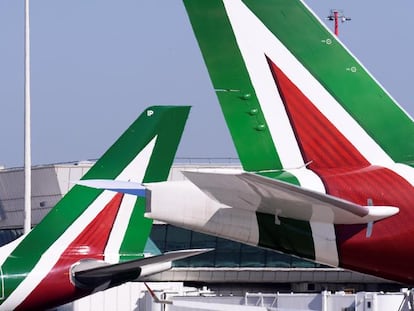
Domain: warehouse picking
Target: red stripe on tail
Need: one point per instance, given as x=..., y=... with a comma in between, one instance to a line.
x=348, y=175
x=320, y=141
x=90, y=243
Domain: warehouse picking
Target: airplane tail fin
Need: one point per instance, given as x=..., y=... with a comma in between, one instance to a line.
x=97, y=224
x=288, y=86
x=302, y=109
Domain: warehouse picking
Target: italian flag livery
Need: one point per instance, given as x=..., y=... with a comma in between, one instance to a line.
x=93, y=229
x=303, y=110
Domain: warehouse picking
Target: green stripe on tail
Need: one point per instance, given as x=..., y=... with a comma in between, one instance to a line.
x=233, y=86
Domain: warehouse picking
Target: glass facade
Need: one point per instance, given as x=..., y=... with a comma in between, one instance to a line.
x=8, y=235
x=226, y=253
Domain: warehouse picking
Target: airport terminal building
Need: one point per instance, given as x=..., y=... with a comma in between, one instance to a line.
x=231, y=269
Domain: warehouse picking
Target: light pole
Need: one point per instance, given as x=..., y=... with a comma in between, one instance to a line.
x=27, y=140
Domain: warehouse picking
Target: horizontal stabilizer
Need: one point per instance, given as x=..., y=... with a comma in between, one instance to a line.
x=257, y=193
x=92, y=274
x=127, y=187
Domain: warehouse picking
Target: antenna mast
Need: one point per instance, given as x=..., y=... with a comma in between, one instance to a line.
x=336, y=16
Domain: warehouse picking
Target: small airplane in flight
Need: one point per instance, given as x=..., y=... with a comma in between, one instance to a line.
x=327, y=153
x=93, y=239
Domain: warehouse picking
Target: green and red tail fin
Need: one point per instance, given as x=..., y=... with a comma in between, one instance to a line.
x=258, y=51
x=301, y=108
x=98, y=224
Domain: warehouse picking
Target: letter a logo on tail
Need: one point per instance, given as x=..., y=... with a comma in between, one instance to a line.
x=94, y=225
x=243, y=41
x=302, y=109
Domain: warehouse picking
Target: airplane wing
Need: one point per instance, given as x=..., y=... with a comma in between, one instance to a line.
x=92, y=274
x=254, y=192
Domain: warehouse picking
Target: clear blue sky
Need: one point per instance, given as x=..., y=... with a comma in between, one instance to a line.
x=96, y=64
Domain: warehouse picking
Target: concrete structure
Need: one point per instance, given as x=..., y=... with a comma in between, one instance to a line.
x=133, y=296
